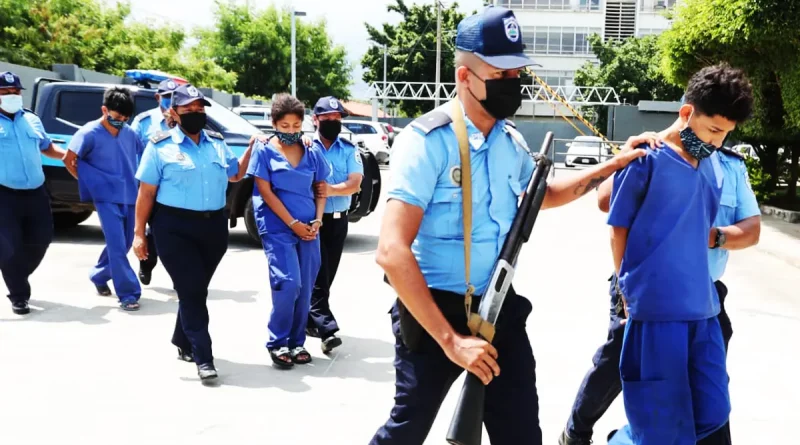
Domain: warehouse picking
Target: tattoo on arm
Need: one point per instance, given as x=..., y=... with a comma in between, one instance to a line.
x=590, y=184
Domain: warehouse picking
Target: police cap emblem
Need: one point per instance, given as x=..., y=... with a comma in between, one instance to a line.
x=9, y=78
x=193, y=91
x=512, y=28
x=455, y=175
x=333, y=103
x=171, y=85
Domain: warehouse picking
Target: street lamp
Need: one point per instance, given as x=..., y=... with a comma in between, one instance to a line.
x=294, y=50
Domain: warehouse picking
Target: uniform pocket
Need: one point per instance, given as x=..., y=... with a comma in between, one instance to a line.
x=220, y=171
x=446, y=213
x=728, y=200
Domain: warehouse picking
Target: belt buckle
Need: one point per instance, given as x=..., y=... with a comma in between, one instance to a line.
x=337, y=215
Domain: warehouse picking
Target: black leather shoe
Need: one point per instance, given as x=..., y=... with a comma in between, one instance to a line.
x=206, y=371
x=331, y=342
x=312, y=332
x=185, y=356
x=145, y=275
x=103, y=290
x=565, y=439
x=20, y=308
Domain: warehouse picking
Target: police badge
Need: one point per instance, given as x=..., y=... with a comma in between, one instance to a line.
x=455, y=175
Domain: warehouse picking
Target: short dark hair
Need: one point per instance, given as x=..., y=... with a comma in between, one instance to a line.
x=287, y=104
x=119, y=99
x=721, y=90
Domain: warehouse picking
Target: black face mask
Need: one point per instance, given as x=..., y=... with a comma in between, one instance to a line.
x=330, y=129
x=503, y=96
x=193, y=122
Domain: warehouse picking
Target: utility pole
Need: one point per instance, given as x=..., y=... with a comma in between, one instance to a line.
x=385, y=55
x=294, y=50
x=438, y=49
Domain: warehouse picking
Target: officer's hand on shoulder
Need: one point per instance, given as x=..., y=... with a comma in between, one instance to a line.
x=630, y=150
x=306, y=141
x=475, y=355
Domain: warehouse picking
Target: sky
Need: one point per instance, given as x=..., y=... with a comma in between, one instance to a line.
x=345, y=20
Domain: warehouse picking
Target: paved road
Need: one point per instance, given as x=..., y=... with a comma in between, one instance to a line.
x=80, y=371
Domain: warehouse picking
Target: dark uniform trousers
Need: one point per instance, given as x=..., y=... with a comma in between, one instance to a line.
x=331, y=235
x=26, y=231
x=424, y=377
x=602, y=383
x=191, y=245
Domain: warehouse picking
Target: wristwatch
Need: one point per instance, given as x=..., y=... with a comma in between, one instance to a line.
x=720, y=239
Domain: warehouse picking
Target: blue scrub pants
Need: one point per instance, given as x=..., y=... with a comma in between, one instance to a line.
x=117, y=221
x=191, y=246
x=424, y=377
x=674, y=381
x=26, y=231
x=293, y=268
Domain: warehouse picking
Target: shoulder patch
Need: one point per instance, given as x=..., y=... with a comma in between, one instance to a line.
x=159, y=136
x=730, y=152
x=358, y=157
x=215, y=135
x=431, y=121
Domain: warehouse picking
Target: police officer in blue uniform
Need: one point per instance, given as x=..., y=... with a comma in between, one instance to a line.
x=737, y=226
x=347, y=173
x=146, y=125
x=26, y=224
x=421, y=245
x=183, y=177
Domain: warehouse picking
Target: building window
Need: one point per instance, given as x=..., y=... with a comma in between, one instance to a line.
x=656, y=5
x=556, y=78
x=552, y=5
x=641, y=32
x=558, y=40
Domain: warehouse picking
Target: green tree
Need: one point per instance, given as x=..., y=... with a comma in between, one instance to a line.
x=257, y=47
x=631, y=67
x=412, y=50
x=762, y=38
x=40, y=33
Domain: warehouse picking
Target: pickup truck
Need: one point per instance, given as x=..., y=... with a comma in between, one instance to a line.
x=65, y=106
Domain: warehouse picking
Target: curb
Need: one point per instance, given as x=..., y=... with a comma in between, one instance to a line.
x=786, y=215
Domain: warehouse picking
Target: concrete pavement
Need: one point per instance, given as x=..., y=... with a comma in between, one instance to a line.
x=80, y=371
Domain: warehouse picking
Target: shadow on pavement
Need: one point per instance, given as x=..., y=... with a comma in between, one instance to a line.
x=239, y=296
x=360, y=244
x=50, y=312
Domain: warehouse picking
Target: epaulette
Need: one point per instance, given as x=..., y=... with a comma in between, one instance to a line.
x=431, y=121
x=730, y=152
x=512, y=131
x=347, y=142
x=160, y=136
x=215, y=135
x=511, y=123
x=28, y=110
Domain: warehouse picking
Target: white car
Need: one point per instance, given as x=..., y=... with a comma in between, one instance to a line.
x=258, y=115
x=374, y=136
x=586, y=150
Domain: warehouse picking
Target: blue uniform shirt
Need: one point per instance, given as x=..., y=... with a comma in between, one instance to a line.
x=292, y=185
x=738, y=202
x=424, y=172
x=107, y=164
x=21, y=142
x=188, y=175
x=345, y=160
x=668, y=207
x=148, y=124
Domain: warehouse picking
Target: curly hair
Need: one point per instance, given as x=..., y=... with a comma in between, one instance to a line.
x=721, y=90
x=119, y=99
x=287, y=104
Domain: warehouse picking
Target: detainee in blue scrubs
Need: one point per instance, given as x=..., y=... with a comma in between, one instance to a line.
x=662, y=209
x=184, y=177
x=26, y=223
x=289, y=216
x=146, y=125
x=107, y=151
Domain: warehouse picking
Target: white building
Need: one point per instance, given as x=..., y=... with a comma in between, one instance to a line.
x=556, y=32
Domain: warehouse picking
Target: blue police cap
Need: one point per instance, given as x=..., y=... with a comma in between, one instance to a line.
x=167, y=87
x=329, y=104
x=186, y=94
x=494, y=35
x=10, y=80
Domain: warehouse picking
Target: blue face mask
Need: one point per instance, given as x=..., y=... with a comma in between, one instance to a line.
x=289, y=138
x=115, y=123
x=694, y=145
x=166, y=103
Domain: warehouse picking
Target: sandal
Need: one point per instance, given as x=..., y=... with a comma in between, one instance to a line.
x=130, y=306
x=300, y=355
x=281, y=357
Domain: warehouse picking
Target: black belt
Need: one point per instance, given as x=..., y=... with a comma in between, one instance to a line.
x=186, y=213
x=21, y=191
x=336, y=215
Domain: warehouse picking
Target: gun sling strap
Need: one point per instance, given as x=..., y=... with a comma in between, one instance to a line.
x=477, y=325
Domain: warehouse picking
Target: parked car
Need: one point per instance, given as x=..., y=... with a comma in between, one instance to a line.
x=586, y=150
x=64, y=107
x=258, y=115
x=374, y=136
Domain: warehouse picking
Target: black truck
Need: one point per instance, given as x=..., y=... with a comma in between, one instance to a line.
x=65, y=106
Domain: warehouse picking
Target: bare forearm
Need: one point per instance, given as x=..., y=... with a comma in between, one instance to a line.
x=144, y=208
x=404, y=274
x=619, y=240
x=346, y=188
x=244, y=161
x=604, y=194
x=320, y=202
x=741, y=235
x=54, y=152
x=565, y=190
x=276, y=205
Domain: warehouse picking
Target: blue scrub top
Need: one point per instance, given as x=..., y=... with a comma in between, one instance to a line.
x=107, y=164
x=292, y=185
x=22, y=140
x=425, y=169
x=188, y=175
x=738, y=202
x=345, y=160
x=669, y=208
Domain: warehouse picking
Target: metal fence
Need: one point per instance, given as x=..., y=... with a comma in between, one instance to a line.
x=581, y=152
